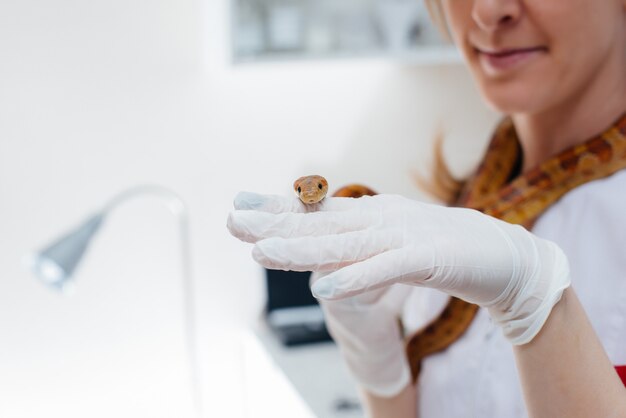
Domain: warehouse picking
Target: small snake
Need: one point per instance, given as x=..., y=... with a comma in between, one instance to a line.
x=519, y=201
x=311, y=189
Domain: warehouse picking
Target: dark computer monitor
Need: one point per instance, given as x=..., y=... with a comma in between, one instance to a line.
x=292, y=311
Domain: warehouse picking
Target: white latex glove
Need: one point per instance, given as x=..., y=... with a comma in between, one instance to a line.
x=373, y=242
x=365, y=327
x=367, y=331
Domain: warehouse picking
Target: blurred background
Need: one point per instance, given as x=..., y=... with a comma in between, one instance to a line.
x=206, y=98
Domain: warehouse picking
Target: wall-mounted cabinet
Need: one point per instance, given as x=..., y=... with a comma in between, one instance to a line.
x=267, y=30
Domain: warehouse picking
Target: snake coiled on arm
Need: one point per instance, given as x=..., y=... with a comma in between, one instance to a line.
x=498, y=189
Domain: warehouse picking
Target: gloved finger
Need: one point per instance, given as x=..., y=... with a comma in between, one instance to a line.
x=280, y=204
x=252, y=225
x=325, y=253
x=317, y=275
x=395, y=297
x=368, y=298
x=377, y=272
x=267, y=203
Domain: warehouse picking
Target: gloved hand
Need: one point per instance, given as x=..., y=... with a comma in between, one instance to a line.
x=367, y=331
x=373, y=242
x=365, y=327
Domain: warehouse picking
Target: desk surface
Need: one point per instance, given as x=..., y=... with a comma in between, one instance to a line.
x=317, y=373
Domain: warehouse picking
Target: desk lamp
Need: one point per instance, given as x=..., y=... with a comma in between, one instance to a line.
x=55, y=263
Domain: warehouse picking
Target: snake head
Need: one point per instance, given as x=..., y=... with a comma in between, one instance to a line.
x=311, y=189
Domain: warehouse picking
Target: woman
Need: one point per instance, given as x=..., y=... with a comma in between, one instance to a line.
x=557, y=69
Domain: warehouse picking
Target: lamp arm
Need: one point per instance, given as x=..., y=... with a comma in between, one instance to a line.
x=175, y=202
x=177, y=206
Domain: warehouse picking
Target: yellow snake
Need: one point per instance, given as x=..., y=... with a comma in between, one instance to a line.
x=498, y=189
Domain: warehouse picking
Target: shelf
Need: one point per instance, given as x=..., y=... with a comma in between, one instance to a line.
x=266, y=31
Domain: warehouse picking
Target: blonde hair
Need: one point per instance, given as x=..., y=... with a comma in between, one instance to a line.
x=441, y=184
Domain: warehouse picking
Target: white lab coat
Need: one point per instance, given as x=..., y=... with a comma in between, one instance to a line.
x=476, y=376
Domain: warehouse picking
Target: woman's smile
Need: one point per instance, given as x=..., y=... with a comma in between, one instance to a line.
x=496, y=62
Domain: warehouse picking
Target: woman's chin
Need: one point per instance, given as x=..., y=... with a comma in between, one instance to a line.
x=527, y=90
x=518, y=100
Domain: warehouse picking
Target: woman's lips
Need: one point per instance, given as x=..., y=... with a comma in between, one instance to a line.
x=499, y=62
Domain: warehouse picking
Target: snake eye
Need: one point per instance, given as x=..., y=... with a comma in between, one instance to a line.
x=299, y=190
x=319, y=186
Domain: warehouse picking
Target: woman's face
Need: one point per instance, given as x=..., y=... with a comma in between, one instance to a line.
x=530, y=55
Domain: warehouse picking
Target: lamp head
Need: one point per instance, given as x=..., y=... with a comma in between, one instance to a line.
x=55, y=264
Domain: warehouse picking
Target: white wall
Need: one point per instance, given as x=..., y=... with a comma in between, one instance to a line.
x=100, y=95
